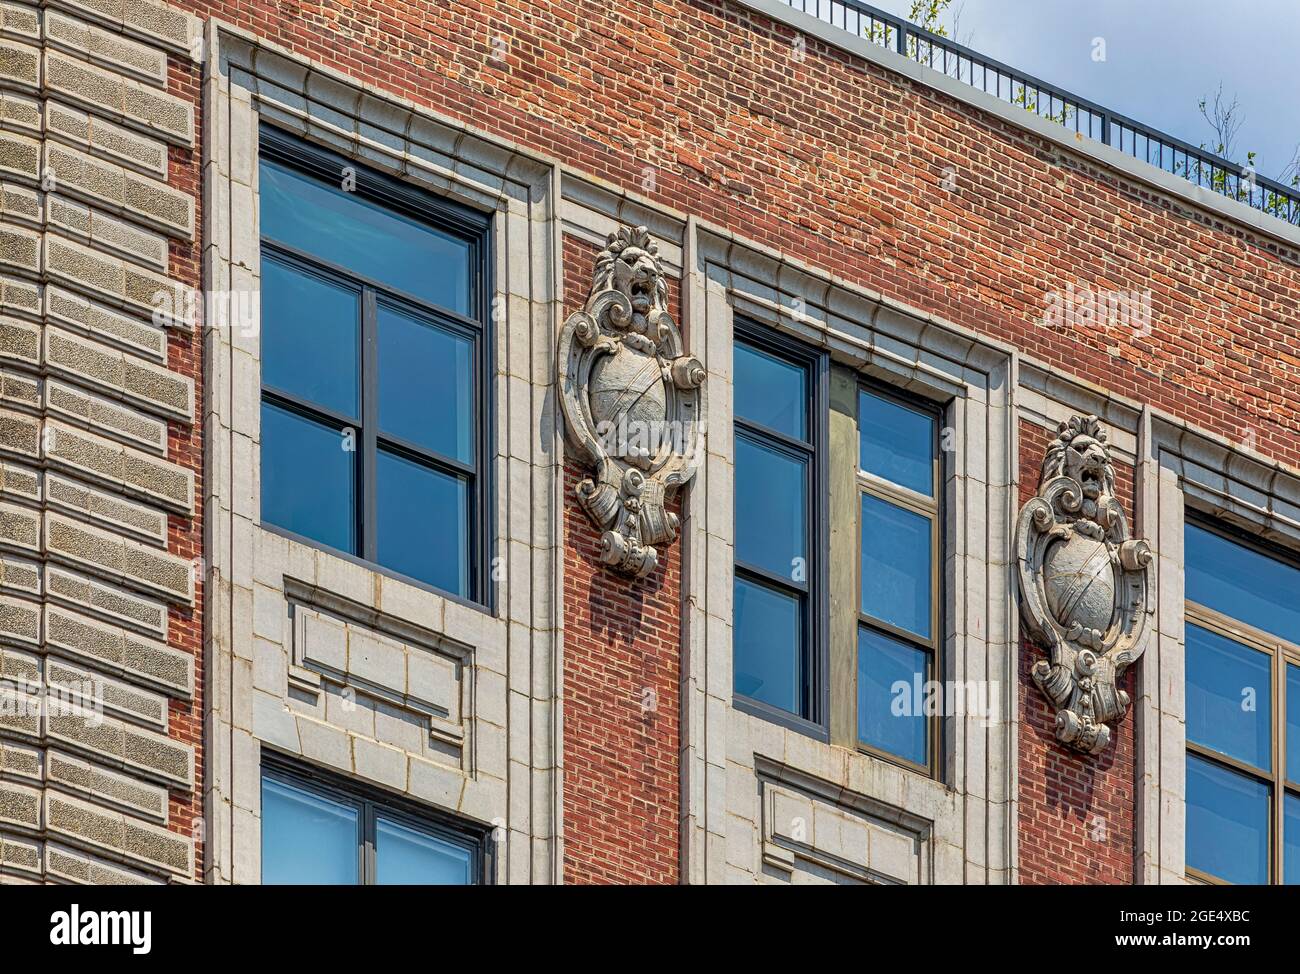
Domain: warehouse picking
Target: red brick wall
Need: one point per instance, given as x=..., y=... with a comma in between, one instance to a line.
x=622, y=672
x=1076, y=813
x=185, y=447
x=840, y=164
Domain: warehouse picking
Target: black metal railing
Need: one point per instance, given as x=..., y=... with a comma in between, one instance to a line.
x=1047, y=101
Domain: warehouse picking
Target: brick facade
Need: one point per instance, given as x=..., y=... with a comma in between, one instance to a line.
x=706, y=109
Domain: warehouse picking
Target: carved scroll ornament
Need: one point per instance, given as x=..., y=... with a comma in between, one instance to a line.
x=1084, y=585
x=633, y=402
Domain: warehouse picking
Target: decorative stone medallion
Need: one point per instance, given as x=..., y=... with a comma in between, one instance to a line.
x=1084, y=586
x=633, y=402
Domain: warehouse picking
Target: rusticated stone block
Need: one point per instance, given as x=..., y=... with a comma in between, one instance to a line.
x=20, y=111
x=20, y=620
x=16, y=853
x=106, y=232
x=20, y=433
x=127, y=100
x=118, y=832
x=115, y=279
x=129, y=561
x=19, y=296
x=20, y=20
x=20, y=761
x=20, y=341
x=20, y=527
x=20, y=805
x=151, y=385
x=21, y=576
x=142, y=750
x=103, y=459
x=102, y=138
x=16, y=388
x=20, y=63
x=19, y=155
x=77, y=867
x=20, y=248
x=107, y=600
x=99, y=413
x=125, y=652
x=122, y=190
x=19, y=481
x=113, y=50
x=19, y=203
x=112, y=511
x=119, y=698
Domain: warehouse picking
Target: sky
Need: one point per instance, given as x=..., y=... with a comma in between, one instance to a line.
x=1162, y=57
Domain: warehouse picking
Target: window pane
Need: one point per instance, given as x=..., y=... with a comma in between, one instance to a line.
x=1291, y=850
x=423, y=523
x=1227, y=823
x=307, y=838
x=771, y=510
x=891, y=696
x=896, y=443
x=1293, y=723
x=405, y=857
x=896, y=565
x=354, y=233
x=1229, y=697
x=307, y=480
x=426, y=385
x=771, y=391
x=1242, y=583
x=767, y=646
x=309, y=337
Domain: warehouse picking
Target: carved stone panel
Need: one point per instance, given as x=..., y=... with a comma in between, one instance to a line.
x=633, y=402
x=1084, y=585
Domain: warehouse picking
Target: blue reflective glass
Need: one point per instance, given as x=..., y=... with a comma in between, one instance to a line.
x=1293, y=723
x=309, y=337
x=1291, y=849
x=767, y=646
x=896, y=576
x=1242, y=583
x=1229, y=697
x=307, y=479
x=353, y=232
x=771, y=509
x=896, y=442
x=426, y=384
x=892, y=698
x=1227, y=823
x=405, y=857
x=770, y=391
x=308, y=839
x=422, y=522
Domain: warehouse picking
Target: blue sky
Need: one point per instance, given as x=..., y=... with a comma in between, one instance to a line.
x=1161, y=58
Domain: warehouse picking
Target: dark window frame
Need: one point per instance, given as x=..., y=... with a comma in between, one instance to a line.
x=475, y=228
x=1282, y=654
x=900, y=496
x=372, y=804
x=816, y=592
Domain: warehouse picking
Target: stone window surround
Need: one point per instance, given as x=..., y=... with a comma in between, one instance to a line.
x=966, y=820
x=509, y=778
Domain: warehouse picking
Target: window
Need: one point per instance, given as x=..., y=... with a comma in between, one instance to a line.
x=375, y=369
x=778, y=611
x=317, y=832
x=1243, y=710
x=898, y=638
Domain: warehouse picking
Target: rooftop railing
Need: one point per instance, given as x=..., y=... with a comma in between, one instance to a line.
x=1057, y=105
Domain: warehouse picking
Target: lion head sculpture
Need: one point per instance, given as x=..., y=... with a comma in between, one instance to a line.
x=630, y=265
